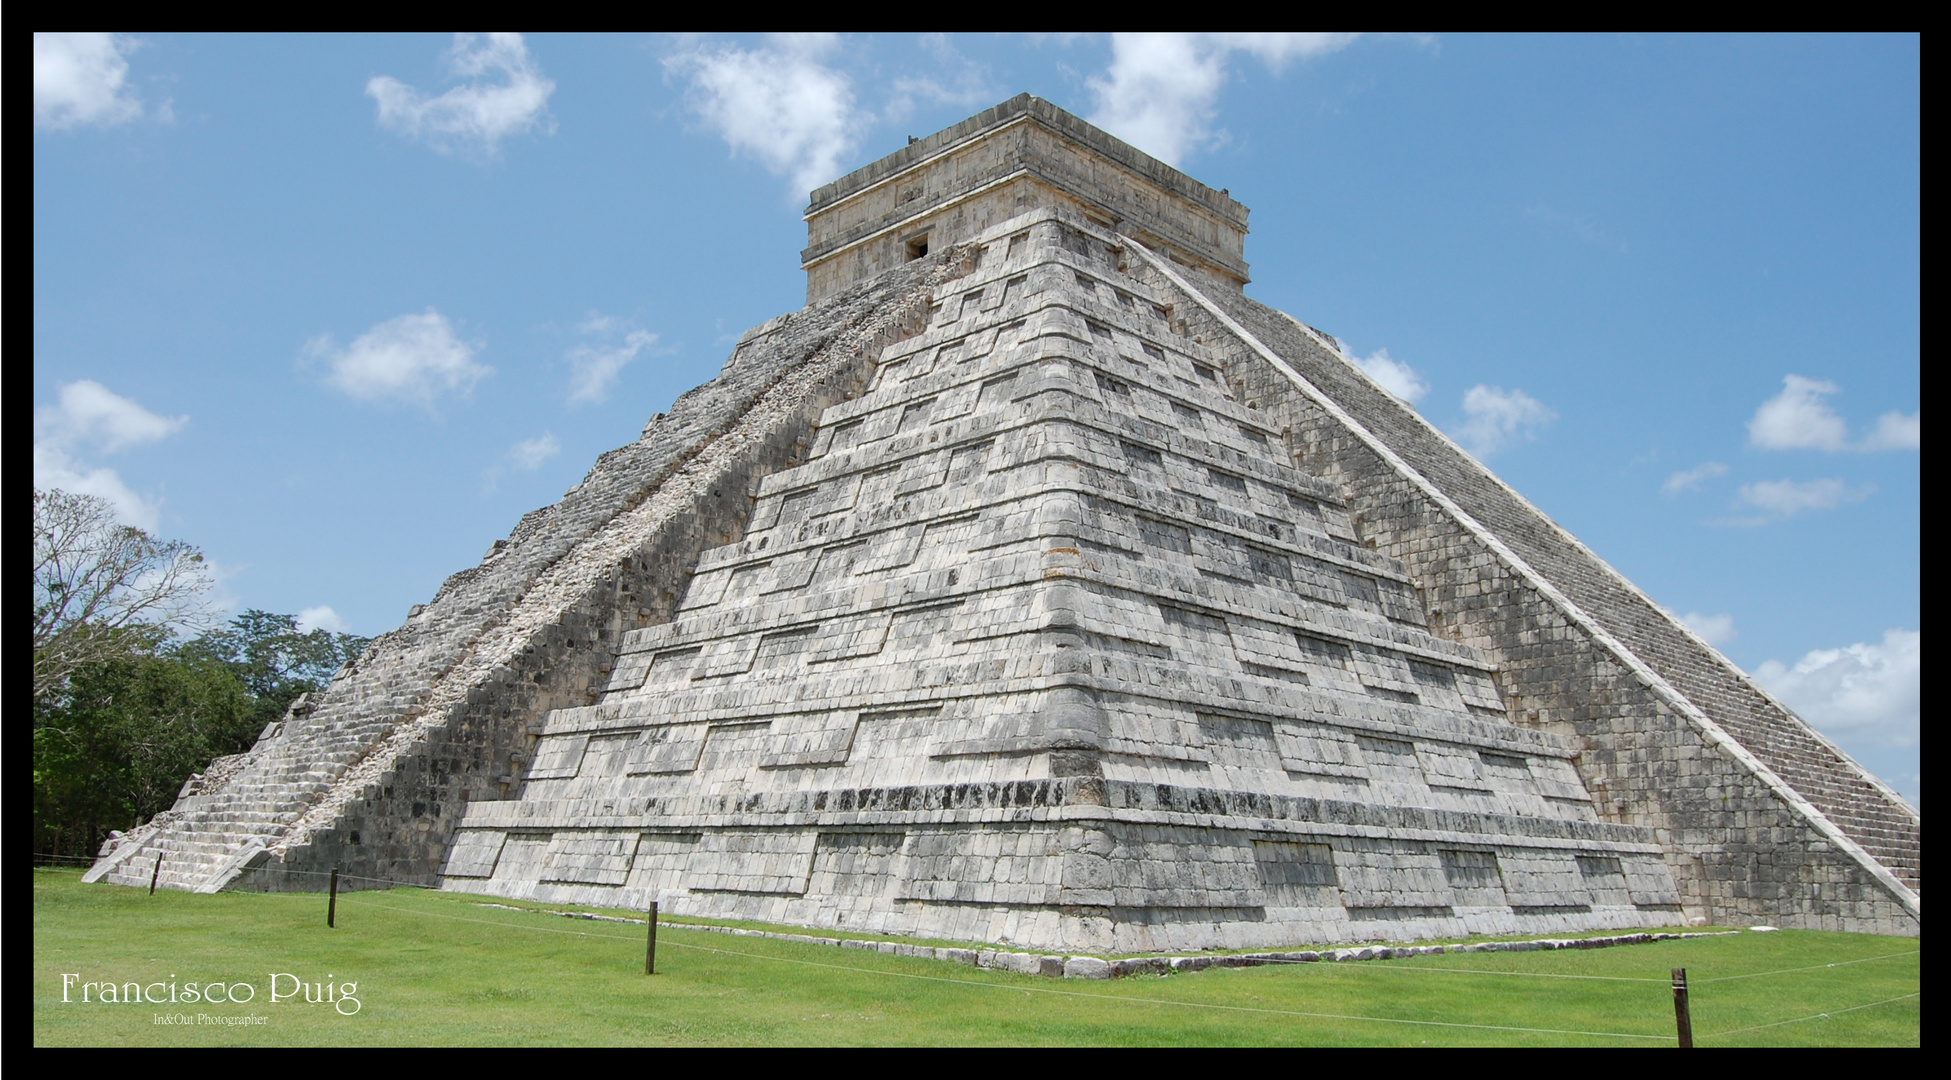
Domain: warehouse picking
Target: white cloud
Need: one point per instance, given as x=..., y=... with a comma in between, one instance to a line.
x=529, y=454
x=1798, y=418
x=1895, y=431
x=81, y=79
x=952, y=79
x=1496, y=418
x=1869, y=694
x=779, y=103
x=1779, y=499
x=54, y=468
x=1393, y=375
x=507, y=95
x=413, y=358
x=1691, y=479
x=1716, y=629
x=321, y=617
x=1161, y=91
x=594, y=368
x=525, y=456
x=89, y=414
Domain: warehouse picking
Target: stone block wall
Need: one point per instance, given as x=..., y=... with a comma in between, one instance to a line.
x=371, y=773
x=1756, y=811
x=1022, y=155
x=1047, y=642
x=1192, y=708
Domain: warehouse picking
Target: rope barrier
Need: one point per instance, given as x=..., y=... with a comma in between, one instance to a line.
x=1627, y=978
x=1182, y=1004
x=667, y=920
x=1265, y=961
x=502, y=925
x=1813, y=967
x=1163, y=1002
x=1040, y=989
x=1272, y=961
x=1465, y=971
x=1237, y=1008
x=1215, y=1006
x=1815, y=1016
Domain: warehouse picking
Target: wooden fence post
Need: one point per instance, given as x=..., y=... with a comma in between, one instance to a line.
x=650, y=949
x=332, y=905
x=157, y=874
x=1681, y=1017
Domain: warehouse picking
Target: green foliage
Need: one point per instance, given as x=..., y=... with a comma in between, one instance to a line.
x=124, y=736
x=115, y=742
x=275, y=660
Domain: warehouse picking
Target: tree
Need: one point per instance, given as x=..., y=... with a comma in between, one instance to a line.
x=114, y=746
x=114, y=742
x=275, y=660
x=124, y=710
x=103, y=590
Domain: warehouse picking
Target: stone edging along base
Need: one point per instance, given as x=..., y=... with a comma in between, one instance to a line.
x=1091, y=967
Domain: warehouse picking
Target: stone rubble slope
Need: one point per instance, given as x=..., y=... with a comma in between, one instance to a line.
x=1862, y=806
x=1865, y=811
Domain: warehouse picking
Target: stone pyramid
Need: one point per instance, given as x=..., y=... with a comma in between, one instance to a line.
x=1034, y=585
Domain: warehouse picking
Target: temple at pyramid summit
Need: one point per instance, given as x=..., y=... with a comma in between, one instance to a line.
x=1034, y=585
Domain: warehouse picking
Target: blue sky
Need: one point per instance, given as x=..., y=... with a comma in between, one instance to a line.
x=339, y=310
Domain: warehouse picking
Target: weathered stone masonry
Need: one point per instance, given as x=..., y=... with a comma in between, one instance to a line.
x=1047, y=643
x=1033, y=584
x=1738, y=848
x=372, y=773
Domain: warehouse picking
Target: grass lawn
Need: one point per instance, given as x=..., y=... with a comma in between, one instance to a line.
x=440, y=969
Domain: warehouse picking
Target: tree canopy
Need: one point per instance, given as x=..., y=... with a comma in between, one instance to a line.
x=116, y=741
x=275, y=660
x=104, y=590
x=126, y=707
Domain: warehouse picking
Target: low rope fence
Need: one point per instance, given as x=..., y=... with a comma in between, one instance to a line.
x=1339, y=958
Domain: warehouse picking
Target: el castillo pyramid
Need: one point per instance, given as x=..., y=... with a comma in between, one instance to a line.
x=1032, y=584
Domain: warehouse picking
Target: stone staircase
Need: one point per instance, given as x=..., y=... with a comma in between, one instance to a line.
x=434, y=713
x=242, y=806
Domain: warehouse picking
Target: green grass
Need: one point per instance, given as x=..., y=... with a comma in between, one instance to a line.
x=440, y=969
